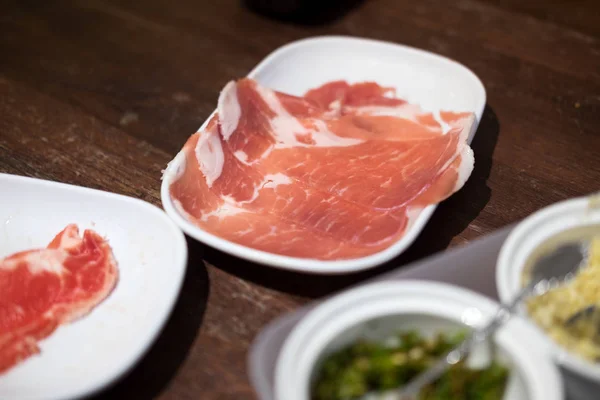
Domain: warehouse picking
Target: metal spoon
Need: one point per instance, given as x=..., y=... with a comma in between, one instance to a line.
x=555, y=267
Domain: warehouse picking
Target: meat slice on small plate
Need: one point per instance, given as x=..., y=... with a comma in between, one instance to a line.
x=44, y=288
x=78, y=311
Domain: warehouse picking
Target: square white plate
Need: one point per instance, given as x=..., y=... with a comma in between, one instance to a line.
x=88, y=354
x=432, y=81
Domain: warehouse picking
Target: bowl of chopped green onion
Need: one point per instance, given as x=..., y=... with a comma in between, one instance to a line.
x=366, y=341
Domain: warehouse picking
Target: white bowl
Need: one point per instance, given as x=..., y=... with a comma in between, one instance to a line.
x=434, y=82
x=86, y=355
x=580, y=215
x=381, y=309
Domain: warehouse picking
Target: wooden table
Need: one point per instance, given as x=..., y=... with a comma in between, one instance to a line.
x=103, y=93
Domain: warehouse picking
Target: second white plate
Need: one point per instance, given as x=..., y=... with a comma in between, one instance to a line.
x=86, y=355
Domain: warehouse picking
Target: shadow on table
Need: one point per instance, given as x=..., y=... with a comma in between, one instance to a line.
x=451, y=217
x=156, y=369
x=303, y=12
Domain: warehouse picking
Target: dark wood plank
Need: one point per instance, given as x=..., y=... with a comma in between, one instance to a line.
x=578, y=15
x=90, y=88
x=186, y=57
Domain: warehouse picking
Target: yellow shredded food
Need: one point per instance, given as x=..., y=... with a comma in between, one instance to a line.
x=552, y=309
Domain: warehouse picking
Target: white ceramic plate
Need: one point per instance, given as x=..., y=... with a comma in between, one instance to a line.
x=434, y=82
x=381, y=309
x=87, y=355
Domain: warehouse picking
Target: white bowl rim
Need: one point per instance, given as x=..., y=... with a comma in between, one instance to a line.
x=505, y=279
x=312, y=334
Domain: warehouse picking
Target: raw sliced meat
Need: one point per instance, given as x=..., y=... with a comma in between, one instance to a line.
x=242, y=202
x=42, y=289
x=360, y=94
x=339, y=173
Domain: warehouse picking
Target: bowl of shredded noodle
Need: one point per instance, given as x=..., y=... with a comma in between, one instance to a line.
x=567, y=316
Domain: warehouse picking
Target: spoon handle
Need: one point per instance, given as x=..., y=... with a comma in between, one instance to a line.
x=412, y=389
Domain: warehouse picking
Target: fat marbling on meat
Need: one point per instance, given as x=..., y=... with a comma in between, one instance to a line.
x=42, y=289
x=339, y=173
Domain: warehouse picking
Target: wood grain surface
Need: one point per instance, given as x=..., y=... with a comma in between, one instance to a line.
x=103, y=93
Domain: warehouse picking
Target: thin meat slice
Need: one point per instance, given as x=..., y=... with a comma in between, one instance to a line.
x=342, y=94
x=397, y=171
x=339, y=173
x=378, y=173
x=42, y=289
x=254, y=121
x=241, y=198
x=277, y=236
